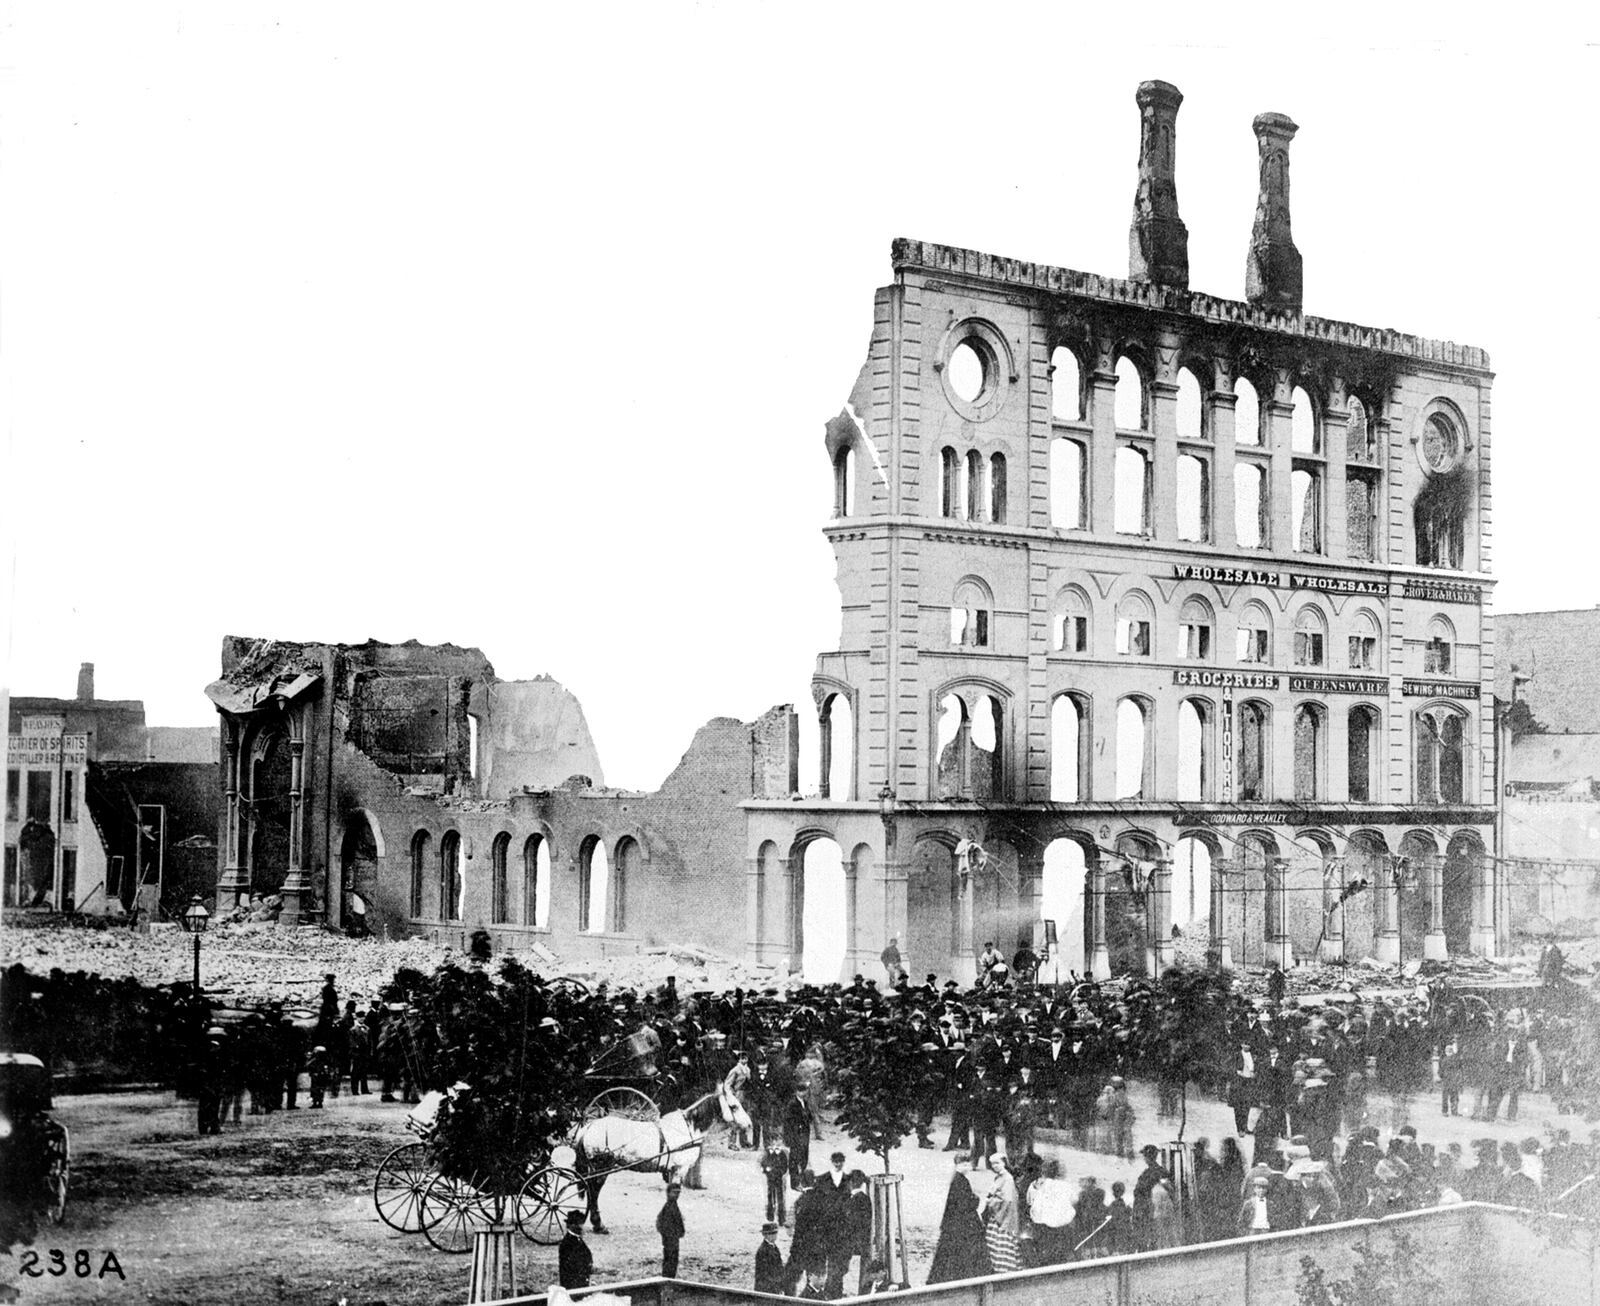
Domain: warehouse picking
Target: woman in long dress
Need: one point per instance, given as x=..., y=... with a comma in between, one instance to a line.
x=1001, y=1218
x=959, y=1253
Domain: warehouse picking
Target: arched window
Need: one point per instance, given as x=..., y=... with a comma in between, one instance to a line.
x=1132, y=748
x=1305, y=489
x=536, y=881
x=949, y=482
x=1364, y=649
x=844, y=482
x=838, y=749
x=1439, y=512
x=1438, y=654
x=1066, y=387
x=1194, y=630
x=950, y=741
x=1310, y=638
x=1360, y=446
x=1250, y=504
x=1309, y=745
x=450, y=876
x=1067, y=470
x=1303, y=429
x=1069, y=631
x=973, y=511
x=1441, y=756
x=969, y=742
x=1194, y=498
x=984, y=770
x=1254, y=751
x=622, y=876
x=1361, y=514
x=997, y=487
x=500, y=907
x=1069, y=749
x=419, y=870
x=1132, y=508
x=1361, y=753
x=970, y=615
x=594, y=874
x=1246, y=413
x=1134, y=618
x=1255, y=636
x=1191, y=407
x=1194, y=750
x=1130, y=396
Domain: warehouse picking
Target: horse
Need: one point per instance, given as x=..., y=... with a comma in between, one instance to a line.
x=667, y=1146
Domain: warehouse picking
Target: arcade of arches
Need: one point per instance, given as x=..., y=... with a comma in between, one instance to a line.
x=1101, y=902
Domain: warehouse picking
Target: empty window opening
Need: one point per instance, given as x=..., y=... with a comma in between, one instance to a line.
x=472, y=746
x=1194, y=750
x=500, y=886
x=1249, y=505
x=1361, y=753
x=997, y=487
x=984, y=777
x=1253, y=745
x=1194, y=631
x=973, y=482
x=1440, y=511
x=1130, y=396
x=1305, y=484
x=1131, y=750
x=967, y=372
x=594, y=875
x=1310, y=638
x=1068, y=750
x=949, y=482
x=823, y=924
x=1308, y=747
x=419, y=870
x=951, y=743
x=844, y=483
x=837, y=735
x=1067, y=466
x=1437, y=653
x=1364, y=643
x=1255, y=636
x=1441, y=761
x=1061, y=900
x=623, y=875
x=1194, y=499
x=536, y=882
x=1133, y=627
x=1066, y=386
x=1132, y=491
x=1360, y=515
x=450, y=884
x=1359, y=443
x=1191, y=886
x=969, y=616
x=1191, y=409
x=969, y=753
x=1246, y=414
x=1303, y=424
x=1069, y=631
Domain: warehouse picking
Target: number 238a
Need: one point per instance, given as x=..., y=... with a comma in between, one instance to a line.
x=55, y=1263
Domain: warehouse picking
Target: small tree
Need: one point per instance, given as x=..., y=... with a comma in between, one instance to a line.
x=880, y=1083
x=1377, y=1279
x=1182, y=1029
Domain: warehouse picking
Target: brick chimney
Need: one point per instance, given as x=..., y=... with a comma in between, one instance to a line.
x=86, y=682
x=1272, y=272
x=1158, y=242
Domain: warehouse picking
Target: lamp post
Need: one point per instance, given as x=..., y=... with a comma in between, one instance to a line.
x=194, y=920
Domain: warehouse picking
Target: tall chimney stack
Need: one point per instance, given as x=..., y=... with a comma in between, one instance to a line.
x=1158, y=242
x=1272, y=272
x=86, y=682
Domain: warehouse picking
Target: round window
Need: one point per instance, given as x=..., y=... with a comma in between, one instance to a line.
x=1441, y=446
x=967, y=372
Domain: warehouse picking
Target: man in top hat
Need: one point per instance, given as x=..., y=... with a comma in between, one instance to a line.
x=575, y=1262
x=769, y=1261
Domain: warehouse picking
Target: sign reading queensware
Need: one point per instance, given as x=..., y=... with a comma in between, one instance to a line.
x=1339, y=685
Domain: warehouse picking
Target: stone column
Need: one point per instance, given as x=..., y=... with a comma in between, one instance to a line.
x=1219, y=951
x=1164, y=429
x=1434, y=947
x=1483, y=942
x=896, y=917
x=1099, y=954
x=1223, y=402
x=1277, y=420
x=234, y=884
x=1335, y=419
x=1333, y=879
x=1102, y=414
x=965, y=963
x=1280, y=951
x=1386, y=906
x=296, y=882
x=755, y=894
x=1158, y=242
x=1160, y=917
x=1273, y=269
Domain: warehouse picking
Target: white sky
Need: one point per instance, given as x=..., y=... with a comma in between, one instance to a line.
x=517, y=326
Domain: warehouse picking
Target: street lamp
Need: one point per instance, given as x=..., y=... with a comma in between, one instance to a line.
x=886, y=811
x=194, y=920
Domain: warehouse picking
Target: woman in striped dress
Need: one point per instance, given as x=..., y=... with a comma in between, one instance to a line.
x=1001, y=1219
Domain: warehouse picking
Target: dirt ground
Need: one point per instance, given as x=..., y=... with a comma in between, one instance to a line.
x=279, y=1208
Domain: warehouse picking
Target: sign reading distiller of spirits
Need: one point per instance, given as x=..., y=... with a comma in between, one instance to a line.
x=41, y=750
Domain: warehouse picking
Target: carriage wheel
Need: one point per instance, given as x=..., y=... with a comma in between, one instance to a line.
x=403, y=1178
x=629, y=1103
x=452, y=1211
x=544, y=1202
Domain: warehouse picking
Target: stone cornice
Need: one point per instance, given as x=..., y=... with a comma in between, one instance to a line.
x=948, y=260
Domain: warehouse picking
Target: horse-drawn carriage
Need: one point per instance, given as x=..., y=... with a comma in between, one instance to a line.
x=622, y=1128
x=35, y=1148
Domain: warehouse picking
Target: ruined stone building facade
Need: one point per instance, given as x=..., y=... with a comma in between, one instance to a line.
x=1144, y=587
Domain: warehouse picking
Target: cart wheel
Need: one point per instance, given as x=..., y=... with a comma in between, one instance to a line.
x=452, y=1211
x=397, y=1192
x=543, y=1204
x=628, y=1103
